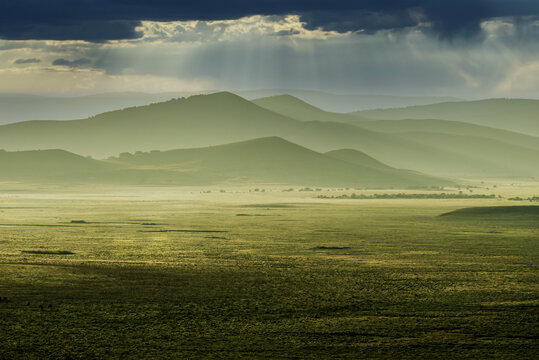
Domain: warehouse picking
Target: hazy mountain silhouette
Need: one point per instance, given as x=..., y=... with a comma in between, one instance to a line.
x=479, y=144
x=451, y=128
x=262, y=161
x=23, y=107
x=60, y=166
x=518, y=115
x=275, y=160
x=345, y=103
x=358, y=158
x=219, y=118
x=295, y=108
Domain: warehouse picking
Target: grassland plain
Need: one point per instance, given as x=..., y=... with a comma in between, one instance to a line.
x=156, y=272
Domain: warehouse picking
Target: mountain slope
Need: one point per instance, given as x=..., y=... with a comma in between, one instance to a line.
x=206, y=120
x=518, y=115
x=59, y=166
x=488, y=155
x=198, y=121
x=358, y=158
x=193, y=122
x=24, y=107
x=295, y=108
x=267, y=160
x=276, y=160
x=345, y=103
x=48, y=162
x=451, y=128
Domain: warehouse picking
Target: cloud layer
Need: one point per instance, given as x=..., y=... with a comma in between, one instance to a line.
x=397, y=51
x=102, y=20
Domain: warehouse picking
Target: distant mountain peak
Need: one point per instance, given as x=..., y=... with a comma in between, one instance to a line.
x=222, y=95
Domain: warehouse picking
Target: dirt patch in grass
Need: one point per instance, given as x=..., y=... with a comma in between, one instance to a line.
x=331, y=248
x=186, y=231
x=278, y=206
x=48, y=252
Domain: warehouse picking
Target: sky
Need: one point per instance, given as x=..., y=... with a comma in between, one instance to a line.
x=469, y=49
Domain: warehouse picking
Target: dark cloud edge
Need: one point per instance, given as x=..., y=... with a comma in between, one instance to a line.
x=104, y=20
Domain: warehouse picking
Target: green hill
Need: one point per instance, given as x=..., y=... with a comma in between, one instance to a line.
x=24, y=107
x=275, y=160
x=206, y=120
x=492, y=151
x=295, y=108
x=59, y=166
x=197, y=121
x=357, y=157
x=260, y=161
x=47, y=164
x=518, y=115
x=345, y=103
x=490, y=156
x=451, y=128
x=193, y=122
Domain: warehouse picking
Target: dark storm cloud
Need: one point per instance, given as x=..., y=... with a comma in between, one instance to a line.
x=78, y=63
x=101, y=20
x=26, y=61
x=89, y=30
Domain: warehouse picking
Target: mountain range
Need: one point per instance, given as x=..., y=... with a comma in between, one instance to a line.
x=345, y=103
x=219, y=118
x=270, y=160
x=520, y=115
x=23, y=107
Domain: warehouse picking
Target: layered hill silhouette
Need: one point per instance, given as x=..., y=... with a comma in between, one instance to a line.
x=520, y=115
x=23, y=107
x=47, y=163
x=206, y=120
x=270, y=160
x=489, y=147
x=295, y=108
x=60, y=166
x=416, y=126
x=358, y=158
x=345, y=103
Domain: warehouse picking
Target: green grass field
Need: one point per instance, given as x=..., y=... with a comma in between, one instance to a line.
x=176, y=273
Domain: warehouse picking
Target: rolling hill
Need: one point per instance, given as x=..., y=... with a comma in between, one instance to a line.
x=47, y=163
x=275, y=160
x=358, y=158
x=518, y=115
x=24, y=107
x=261, y=161
x=487, y=147
x=295, y=108
x=206, y=120
x=345, y=103
x=197, y=121
x=451, y=128
x=60, y=166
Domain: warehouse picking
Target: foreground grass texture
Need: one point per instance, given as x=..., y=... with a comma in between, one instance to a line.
x=289, y=279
